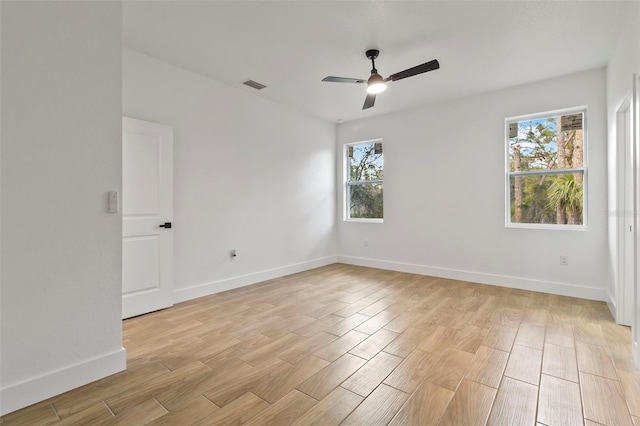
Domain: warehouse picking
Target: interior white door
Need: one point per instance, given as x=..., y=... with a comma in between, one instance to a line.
x=147, y=214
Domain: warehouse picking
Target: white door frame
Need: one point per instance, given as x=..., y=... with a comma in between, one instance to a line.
x=635, y=136
x=626, y=215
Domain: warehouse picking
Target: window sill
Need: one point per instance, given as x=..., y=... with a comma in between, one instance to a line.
x=365, y=220
x=547, y=226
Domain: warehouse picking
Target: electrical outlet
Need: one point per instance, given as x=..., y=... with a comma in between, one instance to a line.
x=564, y=260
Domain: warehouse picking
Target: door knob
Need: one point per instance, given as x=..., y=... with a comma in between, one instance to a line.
x=166, y=225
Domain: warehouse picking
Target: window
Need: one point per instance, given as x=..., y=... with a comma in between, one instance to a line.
x=363, y=188
x=546, y=170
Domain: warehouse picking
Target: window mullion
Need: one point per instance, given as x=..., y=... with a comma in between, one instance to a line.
x=548, y=172
x=363, y=182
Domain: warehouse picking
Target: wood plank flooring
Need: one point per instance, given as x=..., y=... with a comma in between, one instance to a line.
x=358, y=346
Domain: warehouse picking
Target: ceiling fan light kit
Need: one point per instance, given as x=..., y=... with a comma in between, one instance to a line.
x=376, y=83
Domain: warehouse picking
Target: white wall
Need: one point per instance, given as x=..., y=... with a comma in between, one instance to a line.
x=445, y=194
x=61, y=153
x=250, y=175
x=624, y=62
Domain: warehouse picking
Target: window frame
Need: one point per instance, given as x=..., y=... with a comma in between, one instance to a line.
x=347, y=183
x=584, y=170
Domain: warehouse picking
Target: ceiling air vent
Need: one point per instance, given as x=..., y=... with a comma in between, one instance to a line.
x=254, y=84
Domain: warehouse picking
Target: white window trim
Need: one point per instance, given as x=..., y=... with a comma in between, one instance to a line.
x=345, y=183
x=583, y=169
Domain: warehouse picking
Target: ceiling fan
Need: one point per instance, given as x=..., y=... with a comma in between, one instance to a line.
x=377, y=84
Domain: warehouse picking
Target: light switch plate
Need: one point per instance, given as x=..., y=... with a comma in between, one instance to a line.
x=114, y=203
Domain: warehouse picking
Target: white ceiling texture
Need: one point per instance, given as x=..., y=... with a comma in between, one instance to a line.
x=291, y=45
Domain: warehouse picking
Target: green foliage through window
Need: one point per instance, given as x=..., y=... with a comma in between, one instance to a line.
x=364, y=187
x=546, y=169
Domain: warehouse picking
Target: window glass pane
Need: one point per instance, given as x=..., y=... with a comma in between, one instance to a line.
x=365, y=162
x=366, y=201
x=547, y=143
x=549, y=199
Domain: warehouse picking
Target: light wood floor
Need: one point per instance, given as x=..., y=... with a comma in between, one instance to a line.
x=357, y=346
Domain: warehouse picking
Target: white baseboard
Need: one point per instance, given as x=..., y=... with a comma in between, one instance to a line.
x=200, y=290
x=20, y=395
x=561, y=289
x=635, y=349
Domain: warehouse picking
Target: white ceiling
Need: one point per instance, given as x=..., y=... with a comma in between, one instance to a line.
x=291, y=45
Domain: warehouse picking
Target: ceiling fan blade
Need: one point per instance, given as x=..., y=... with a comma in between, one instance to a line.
x=369, y=101
x=419, y=69
x=343, y=80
